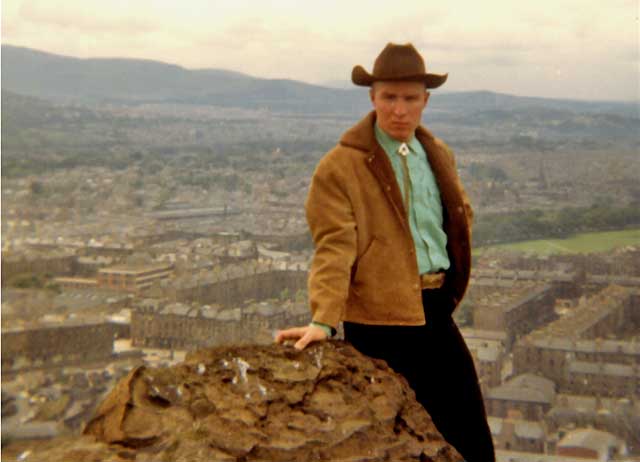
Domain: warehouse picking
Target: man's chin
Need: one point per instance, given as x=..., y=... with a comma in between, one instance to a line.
x=401, y=135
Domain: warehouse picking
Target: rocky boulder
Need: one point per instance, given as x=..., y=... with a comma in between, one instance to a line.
x=261, y=403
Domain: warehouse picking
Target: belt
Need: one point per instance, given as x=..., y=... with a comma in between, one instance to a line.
x=432, y=280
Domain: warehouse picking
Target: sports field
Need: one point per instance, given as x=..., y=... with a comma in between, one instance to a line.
x=580, y=243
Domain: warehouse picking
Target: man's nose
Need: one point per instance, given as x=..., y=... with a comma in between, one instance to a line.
x=400, y=108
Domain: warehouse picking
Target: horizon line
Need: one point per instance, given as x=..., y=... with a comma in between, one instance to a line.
x=320, y=84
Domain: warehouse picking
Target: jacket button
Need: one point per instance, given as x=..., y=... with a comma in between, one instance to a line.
x=416, y=286
x=388, y=188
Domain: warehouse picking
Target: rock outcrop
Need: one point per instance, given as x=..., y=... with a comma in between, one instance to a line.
x=260, y=403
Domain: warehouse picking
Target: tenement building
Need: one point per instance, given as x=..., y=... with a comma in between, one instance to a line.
x=174, y=325
x=511, y=306
x=566, y=283
x=572, y=352
x=603, y=379
x=54, y=262
x=46, y=345
x=233, y=285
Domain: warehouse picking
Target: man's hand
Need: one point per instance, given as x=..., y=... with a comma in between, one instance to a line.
x=305, y=335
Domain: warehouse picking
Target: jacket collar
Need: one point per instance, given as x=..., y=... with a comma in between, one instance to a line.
x=362, y=137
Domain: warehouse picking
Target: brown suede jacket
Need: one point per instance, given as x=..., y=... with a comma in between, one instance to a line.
x=364, y=268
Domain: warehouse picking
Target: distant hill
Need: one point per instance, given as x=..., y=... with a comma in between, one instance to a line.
x=480, y=118
x=62, y=78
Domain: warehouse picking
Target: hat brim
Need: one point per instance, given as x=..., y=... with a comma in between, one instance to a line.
x=361, y=77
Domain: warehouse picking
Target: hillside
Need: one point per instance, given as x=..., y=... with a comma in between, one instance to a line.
x=64, y=78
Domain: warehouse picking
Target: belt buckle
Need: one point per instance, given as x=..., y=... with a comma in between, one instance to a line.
x=432, y=280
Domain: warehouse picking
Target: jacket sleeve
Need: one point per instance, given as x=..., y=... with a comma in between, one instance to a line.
x=333, y=229
x=465, y=199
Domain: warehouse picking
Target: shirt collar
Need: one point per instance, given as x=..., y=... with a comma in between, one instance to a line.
x=391, y=145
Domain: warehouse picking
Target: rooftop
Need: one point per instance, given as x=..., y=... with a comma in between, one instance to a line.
x=588, y=313
x=525, y=387
x=588, y=438
x=136, y=268
x=504, y=295
x=610, y=369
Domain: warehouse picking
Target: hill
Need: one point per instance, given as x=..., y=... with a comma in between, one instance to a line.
x=481, y=120
x=131, y=81
x=65, y=79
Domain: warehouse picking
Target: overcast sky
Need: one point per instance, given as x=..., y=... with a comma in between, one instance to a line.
x=586, y=49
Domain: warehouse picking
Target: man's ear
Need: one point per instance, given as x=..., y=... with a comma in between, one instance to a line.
x=372, y=94
x=426, y=99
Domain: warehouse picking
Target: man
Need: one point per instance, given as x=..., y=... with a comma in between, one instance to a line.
x=391, y=225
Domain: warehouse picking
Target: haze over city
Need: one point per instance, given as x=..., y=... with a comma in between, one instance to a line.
x=560, y=49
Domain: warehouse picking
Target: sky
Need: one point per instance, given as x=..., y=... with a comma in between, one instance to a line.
x=579, y=49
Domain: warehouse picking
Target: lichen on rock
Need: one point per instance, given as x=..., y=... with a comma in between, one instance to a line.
x=267, y=403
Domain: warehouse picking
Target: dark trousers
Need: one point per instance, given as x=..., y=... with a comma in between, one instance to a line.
x=437, y=364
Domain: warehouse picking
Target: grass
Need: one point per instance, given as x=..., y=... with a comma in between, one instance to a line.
x=580, y=243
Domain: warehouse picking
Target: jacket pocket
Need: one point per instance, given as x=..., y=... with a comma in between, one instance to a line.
x=372, y=267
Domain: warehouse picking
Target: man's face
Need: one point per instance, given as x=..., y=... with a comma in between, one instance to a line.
x=399, y=107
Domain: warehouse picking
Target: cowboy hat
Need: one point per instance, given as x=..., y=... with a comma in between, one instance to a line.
x=397, y=62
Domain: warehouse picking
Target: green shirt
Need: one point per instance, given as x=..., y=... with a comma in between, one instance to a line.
x=425, y=206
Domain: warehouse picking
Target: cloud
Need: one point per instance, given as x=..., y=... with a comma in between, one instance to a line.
x=89, y=17
x=496, y=44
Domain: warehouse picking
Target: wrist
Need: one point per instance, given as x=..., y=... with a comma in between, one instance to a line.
x=326, y=328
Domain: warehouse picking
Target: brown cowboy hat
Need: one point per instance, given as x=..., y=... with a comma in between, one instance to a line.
x=398, y=62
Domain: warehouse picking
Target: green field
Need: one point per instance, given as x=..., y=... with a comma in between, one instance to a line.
x=580, y=243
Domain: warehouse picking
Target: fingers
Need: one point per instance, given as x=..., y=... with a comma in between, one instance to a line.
x=305, y=335
x=304, y=341
x=292, y=333
x=313, y=334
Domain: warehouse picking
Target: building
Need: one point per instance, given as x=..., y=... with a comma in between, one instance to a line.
x=606, y=312
x=552, y=356
x=159, y=324
x=488, y=352
x=49, y=345
x=619, y=416
x=513, y=307
x=133, y=278
x=518, y=435
x=50, y=262
x=528, y=395
x=76, y=282
x=590, y=444
x=572, y=352
x=603, y=379
x=235, y=284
